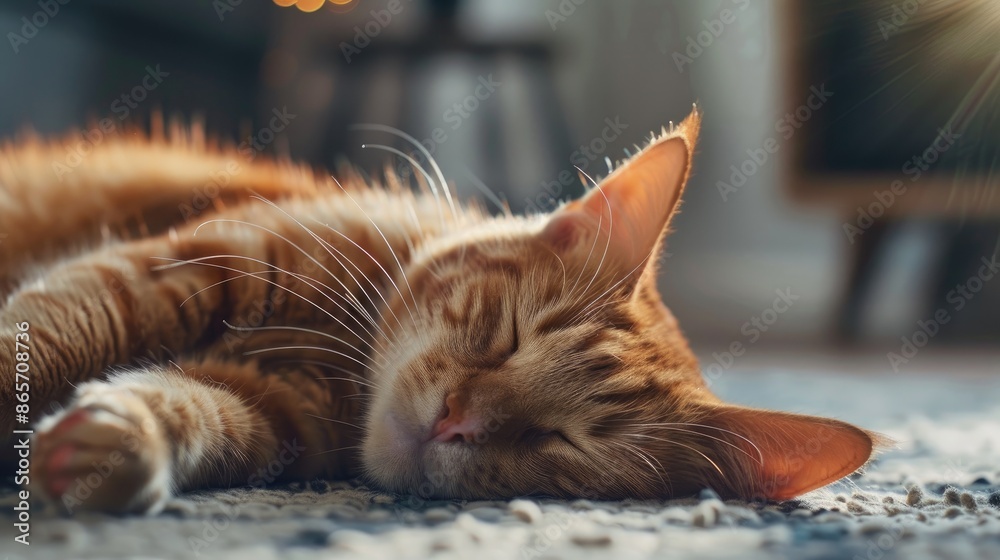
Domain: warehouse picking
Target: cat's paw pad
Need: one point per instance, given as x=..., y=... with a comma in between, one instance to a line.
x=106, y=453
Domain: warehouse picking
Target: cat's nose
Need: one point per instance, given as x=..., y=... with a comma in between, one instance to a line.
x=455, y=424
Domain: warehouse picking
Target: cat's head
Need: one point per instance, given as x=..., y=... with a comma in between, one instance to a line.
x=534, y=356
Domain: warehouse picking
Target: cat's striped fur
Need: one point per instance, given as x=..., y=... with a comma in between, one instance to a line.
x=216, y=325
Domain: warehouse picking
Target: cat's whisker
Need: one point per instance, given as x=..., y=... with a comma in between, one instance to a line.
x=720, y=440
x=334, y=420
x=665, y=482
x=392, y=251
x=583, y=269
x=563, y=265
x=330, y=249
x=587, y=313
x=420, y=146
x=686, y=446
x=611, y=225
x=347, y=379
x=169, y=352
x=380, y=267
x=412, y=212
x=335, y=450
x=245, y=274
x=417, y=166
x=347, y=295
x=646, y=456
x=704, y=456
x=371, y=321
x=304, y=279
x=306, y=347
x=613, y=287
x=253, y=275
x=217, y=284
x=411, y=247
x=266, y=391
x=690, y=424
x=199, y=261
x=329, y=365
x=488, y=193
x=584, y=314
x=296, y=329
x=175, y=365
x=356, y=303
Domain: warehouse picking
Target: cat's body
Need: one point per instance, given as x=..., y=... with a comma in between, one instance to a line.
x=328, y=331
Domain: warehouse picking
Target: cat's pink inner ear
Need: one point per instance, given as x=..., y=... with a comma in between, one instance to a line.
x=629, y=211
x=794, y=454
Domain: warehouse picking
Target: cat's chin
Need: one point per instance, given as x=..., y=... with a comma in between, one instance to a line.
x=396, y=457
x=392, y=453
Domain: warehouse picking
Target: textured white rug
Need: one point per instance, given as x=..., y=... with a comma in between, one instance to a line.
x=937, y=496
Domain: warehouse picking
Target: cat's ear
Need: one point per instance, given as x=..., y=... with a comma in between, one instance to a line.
x=630, y=209
x=779, y=455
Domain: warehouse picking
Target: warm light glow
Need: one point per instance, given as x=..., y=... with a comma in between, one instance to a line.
x=309, y=5
x=312, y=5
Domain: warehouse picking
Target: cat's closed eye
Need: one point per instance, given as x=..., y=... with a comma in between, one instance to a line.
x=537, y=436
x=515, y=344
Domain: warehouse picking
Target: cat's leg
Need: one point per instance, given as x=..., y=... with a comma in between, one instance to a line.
x=113, y=306
x=128, y=443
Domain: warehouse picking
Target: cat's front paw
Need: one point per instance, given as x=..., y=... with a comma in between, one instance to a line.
x=106, y=452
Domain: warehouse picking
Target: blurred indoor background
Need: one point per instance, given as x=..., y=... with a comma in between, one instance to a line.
x=846, y=163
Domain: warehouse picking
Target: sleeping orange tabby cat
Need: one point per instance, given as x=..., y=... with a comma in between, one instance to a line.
x=204, y=336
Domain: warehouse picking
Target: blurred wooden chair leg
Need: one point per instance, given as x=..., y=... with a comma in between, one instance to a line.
x=863, y=269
